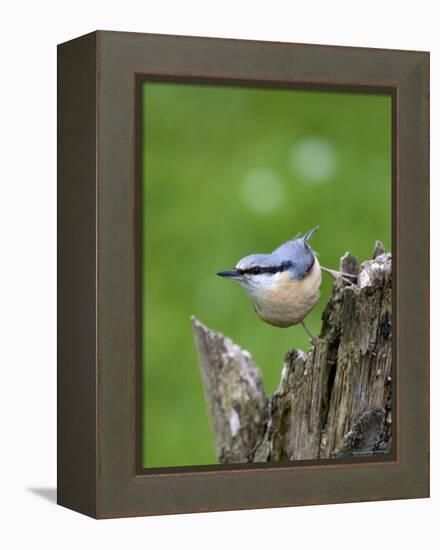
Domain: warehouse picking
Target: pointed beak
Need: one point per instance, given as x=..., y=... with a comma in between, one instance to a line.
x=230, y=274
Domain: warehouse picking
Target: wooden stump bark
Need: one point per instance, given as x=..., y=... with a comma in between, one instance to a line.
x=333, y=401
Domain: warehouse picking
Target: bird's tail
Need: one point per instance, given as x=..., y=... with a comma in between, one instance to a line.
x=310, y=233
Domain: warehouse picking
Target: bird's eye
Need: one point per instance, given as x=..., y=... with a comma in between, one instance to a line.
x=255, y=270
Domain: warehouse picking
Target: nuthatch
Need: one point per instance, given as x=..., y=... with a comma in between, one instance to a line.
x=284, y=285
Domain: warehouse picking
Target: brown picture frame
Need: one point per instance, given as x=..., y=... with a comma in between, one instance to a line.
x=99, y=400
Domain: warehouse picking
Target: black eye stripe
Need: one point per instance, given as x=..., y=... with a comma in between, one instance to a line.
x=256, y=270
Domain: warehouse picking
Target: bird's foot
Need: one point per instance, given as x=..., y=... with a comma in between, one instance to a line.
x=314, y=340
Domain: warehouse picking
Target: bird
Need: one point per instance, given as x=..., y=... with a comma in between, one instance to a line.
x=284, y=285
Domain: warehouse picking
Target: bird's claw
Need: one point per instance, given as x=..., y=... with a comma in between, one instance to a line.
x=315, y=340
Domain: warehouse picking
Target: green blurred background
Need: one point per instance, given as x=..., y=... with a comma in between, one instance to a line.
x=228, y=172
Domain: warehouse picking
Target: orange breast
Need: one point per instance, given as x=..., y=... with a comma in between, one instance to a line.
x=289, y=301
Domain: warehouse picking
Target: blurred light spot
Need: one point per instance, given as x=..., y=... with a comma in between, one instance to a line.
x=314, y=160
x=261, y=190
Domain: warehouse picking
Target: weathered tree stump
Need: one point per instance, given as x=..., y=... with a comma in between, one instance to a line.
x=333, y=401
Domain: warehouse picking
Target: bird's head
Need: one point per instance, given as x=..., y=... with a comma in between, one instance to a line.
x=261, y=272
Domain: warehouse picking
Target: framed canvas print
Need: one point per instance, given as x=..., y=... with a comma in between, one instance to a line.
x=243, y=270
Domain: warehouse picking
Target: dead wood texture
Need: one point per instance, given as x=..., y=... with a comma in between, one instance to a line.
x=332, y=401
